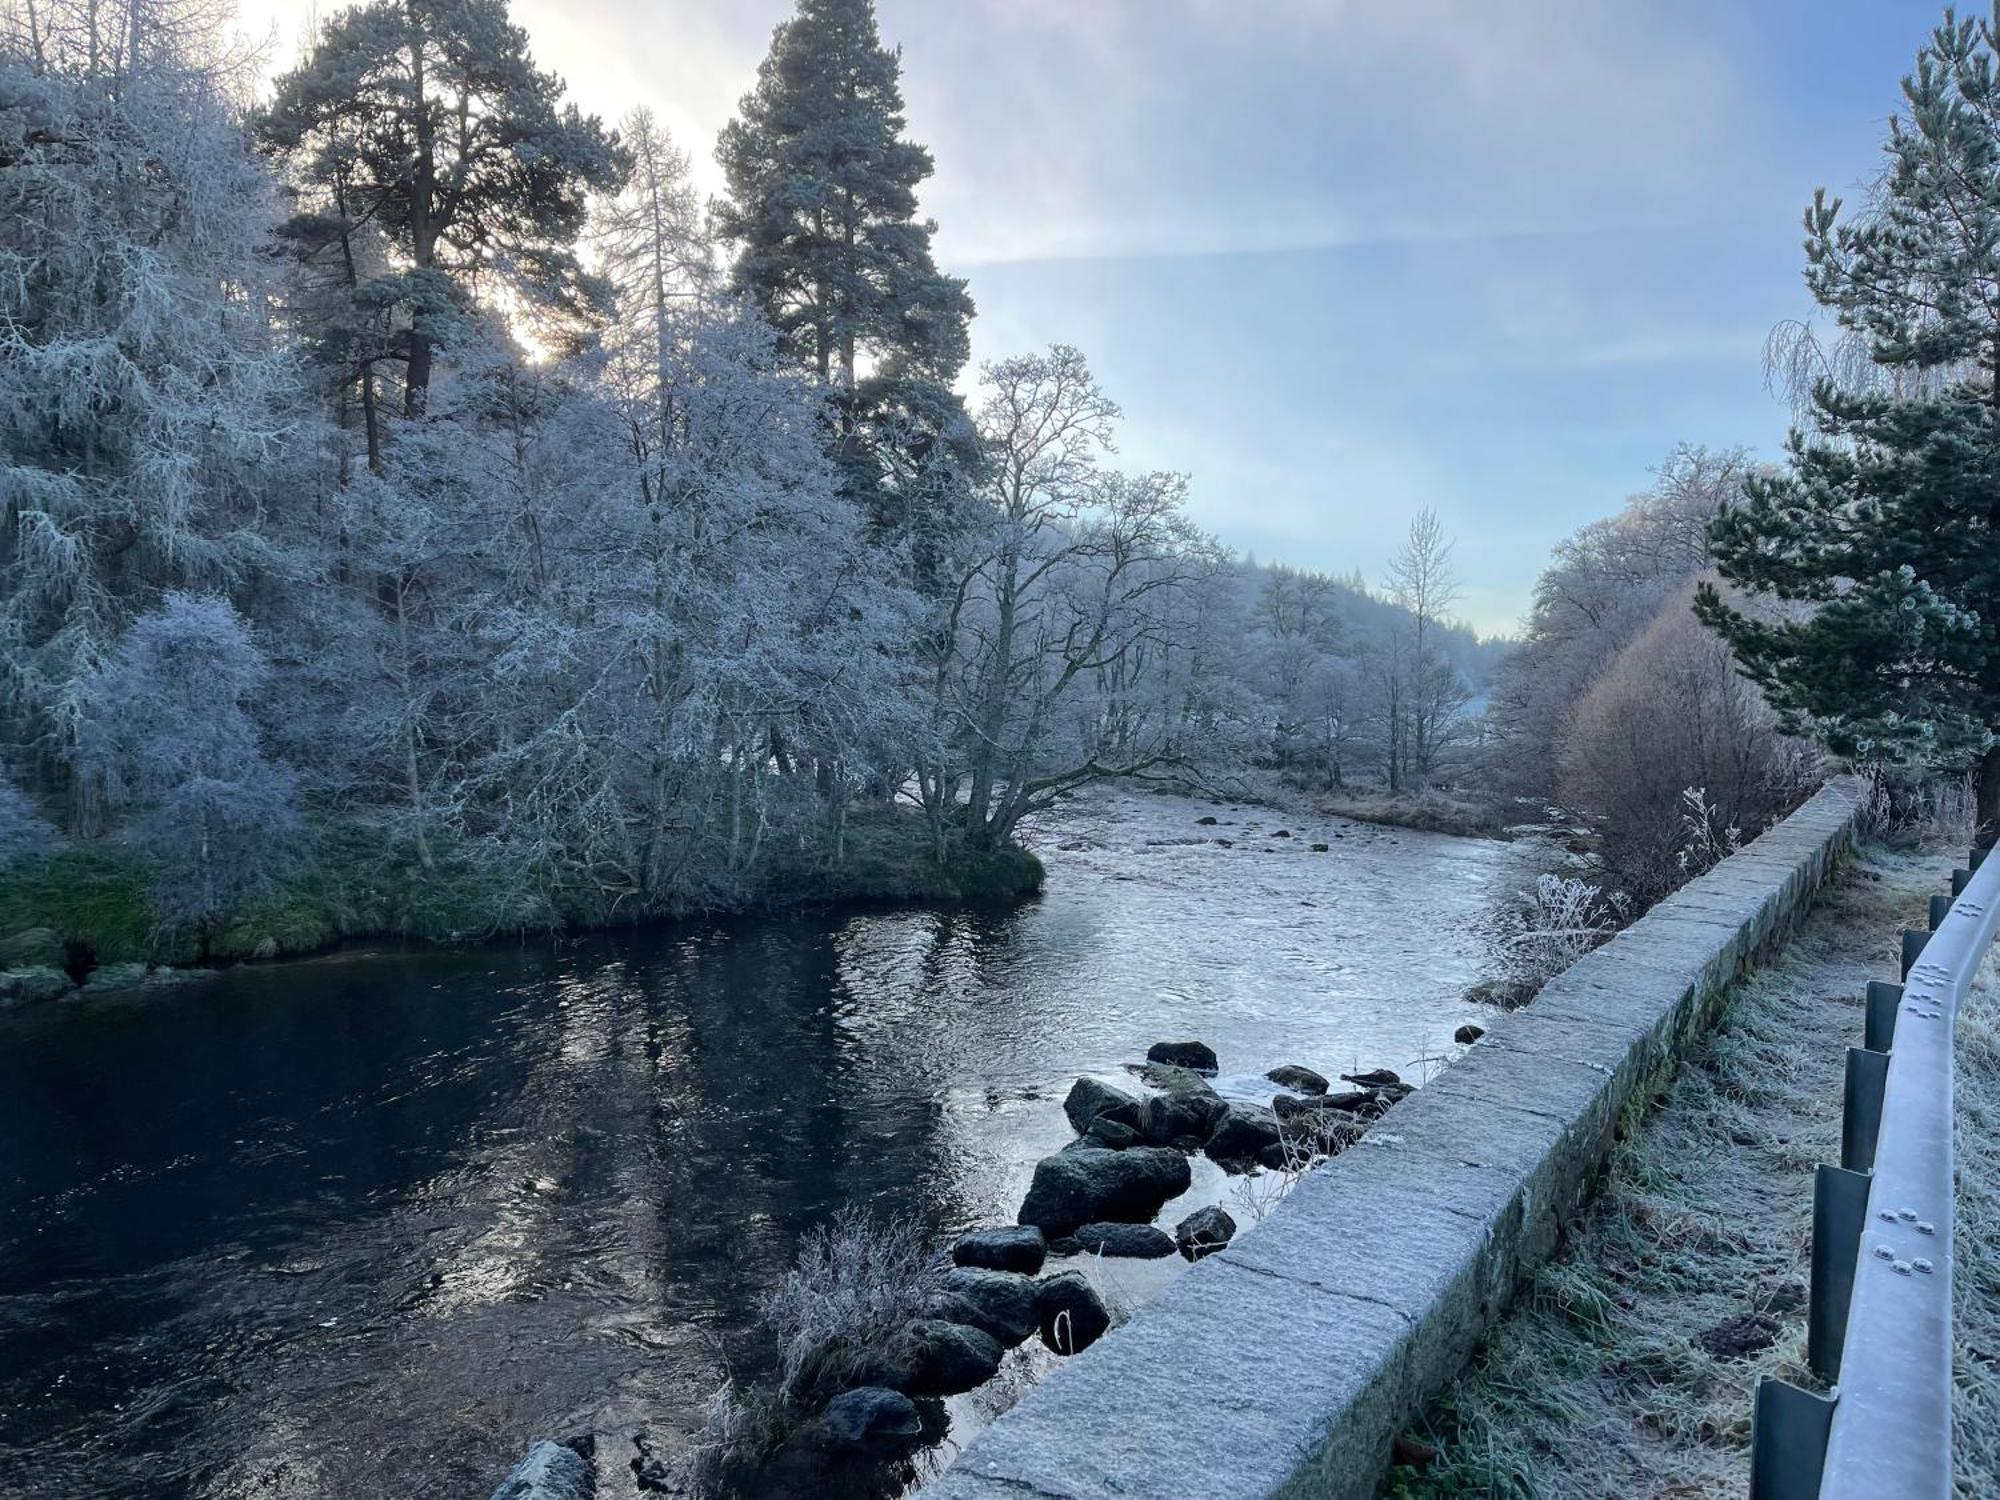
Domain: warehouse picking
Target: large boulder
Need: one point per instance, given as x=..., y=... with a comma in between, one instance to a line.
x=873, y=1418
x=1243, y=1134
x=1204, y=1232
x=549, y=1472
x=1198, y=1056
x=1134, y=1241
x=1185, y=1108
x=1091, y=1183
x=30, y=986
x=1298, y=1080
x=1012, y=1247
x=33, y=948
x=948, y=1358
x=999, y=1303
x=1092, y=1099
x=1073, y=1316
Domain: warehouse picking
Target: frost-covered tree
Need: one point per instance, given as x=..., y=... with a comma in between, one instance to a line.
x=1424, y=691
x=166, y=729
x=1061, y=610
x=1602, y=587
x=149, y=410
x=823, y=206
x=23, y=830
x=428, y=121
x=1882, y=540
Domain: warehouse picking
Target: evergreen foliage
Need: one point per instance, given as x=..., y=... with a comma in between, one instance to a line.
x=823, y=204
x=1881, y=542
x=428, y=122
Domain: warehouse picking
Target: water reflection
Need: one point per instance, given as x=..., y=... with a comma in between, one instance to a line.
x=364, y=1225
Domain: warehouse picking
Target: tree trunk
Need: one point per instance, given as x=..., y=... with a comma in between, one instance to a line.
x=1986, y=795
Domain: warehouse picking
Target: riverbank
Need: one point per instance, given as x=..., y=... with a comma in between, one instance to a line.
x=1629, y=1363
x=80, y=917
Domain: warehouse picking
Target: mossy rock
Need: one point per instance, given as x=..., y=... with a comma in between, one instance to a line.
x=34, y=948
x=31, y=984
x=276, y=932
x=1001, y=876
x=116, y=977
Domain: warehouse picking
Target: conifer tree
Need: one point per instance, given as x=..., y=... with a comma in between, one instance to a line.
x=428, y=122
x=823, y=205
x=1881, y=541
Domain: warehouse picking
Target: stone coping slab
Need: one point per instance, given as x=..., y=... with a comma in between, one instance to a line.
x=1284, y=1365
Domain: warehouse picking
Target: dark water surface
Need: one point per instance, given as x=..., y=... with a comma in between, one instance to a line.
x=363, y=1226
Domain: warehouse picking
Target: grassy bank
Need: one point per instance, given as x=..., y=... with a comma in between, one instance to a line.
x=86, y=908
x=1628, y=1365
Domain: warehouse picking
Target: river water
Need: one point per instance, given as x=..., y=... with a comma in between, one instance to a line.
x=364, y=1225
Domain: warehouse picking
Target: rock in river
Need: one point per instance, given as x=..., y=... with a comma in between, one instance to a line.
x=1111, y=1134
x=1184, y=1108
x=948, y=1358
x=874, y=1418
x=1243, y=1134
x=1374, y=1078
x=31, y=986
x=1198, y=1056
x=1073, y=1315
x=1135, y=1241
x=1361, y=1104
x=1091, y=1183
x=1013, y=1247
x=1092, y=1099
x=549, y=1472
x=1298, y=1080
x=1468, y=1034
x=1204, y=1232
x=999, y=1303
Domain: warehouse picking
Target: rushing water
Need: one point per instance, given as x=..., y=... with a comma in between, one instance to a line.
x=363, y=1226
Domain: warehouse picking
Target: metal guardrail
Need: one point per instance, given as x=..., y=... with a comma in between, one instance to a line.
x=1879, y=1312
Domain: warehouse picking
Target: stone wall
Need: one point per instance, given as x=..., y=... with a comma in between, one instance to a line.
x=1284, y=1365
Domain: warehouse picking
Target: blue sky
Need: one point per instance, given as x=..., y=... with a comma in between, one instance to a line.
x=1343, y=259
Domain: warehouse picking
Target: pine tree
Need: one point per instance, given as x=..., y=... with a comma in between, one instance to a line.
x=428, y=122
x=1882, y=540
x=823, y=204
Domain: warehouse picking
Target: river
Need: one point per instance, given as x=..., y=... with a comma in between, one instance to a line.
x=363, y=1225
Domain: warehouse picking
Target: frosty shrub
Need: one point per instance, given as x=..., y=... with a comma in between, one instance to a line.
x=164, y=727
x=1563, y=918
x=22, y=831
x=1672, y=712
x=857, y=1284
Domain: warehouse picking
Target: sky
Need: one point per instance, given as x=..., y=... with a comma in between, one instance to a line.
x=1343, y=260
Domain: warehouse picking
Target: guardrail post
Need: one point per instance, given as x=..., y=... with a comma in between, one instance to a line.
x=1861, y=1107
x=1878, y=1030
x=1840, y=1205
x=1788, y=1432
x=1913, y=947
x=1939, y=909
x=1960, y=879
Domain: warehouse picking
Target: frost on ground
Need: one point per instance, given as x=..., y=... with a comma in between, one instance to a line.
x=1976, y=1244
x=1628, y=1365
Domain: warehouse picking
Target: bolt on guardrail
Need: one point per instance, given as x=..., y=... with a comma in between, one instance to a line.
x=1879, y=1313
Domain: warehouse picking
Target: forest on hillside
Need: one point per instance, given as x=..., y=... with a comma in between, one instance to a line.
x=423, y=513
